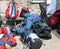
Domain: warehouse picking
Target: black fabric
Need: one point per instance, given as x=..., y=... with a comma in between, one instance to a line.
x=42, y=30
x=37, y=44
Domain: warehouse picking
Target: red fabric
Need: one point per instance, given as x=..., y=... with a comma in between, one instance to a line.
x=4, y=30
x=56, y=13
x=8, y=9
x=7, y=13
x=5, y=39
x=0, y=31
x=17, y=13
x=26, y=9
x=22, y=12
x=13, y=40
x=1, y=47
x=11, y=35
x=54, y=20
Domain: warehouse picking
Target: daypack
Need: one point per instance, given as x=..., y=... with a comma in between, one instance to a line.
x=23, y=11
x=54, y=19
x=12, y=11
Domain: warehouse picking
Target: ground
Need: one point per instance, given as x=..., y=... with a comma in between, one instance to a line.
x=53, y=43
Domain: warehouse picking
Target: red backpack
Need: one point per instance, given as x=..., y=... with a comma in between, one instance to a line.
x=9, y=14
x=24, y=10
x=54, y=19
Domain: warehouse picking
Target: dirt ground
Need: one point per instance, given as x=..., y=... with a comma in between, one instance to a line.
x=53, y=43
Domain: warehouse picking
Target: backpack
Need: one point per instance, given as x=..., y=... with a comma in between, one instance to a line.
x=23, y=11
x=40, y=27
x=54, y=19
x=12, y=11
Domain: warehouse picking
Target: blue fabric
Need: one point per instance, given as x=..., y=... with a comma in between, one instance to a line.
x=35, y=17
x=28, y=22
x=28, y=33
x=20, y=30
x=6, y=35
x=51, y=8
x=26, y=36
x=9, y=43
x=13, y=9
x=2, y=43
x=27, y=15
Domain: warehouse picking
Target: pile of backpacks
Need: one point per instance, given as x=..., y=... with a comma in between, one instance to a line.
x=33, y=29
x=7, y=39
x=36, y=23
